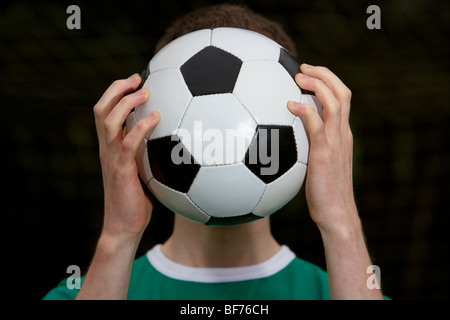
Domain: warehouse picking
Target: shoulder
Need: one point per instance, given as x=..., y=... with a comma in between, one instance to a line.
x=62, y=291
x=65, y=290
x=307, y=268
x=308, y=281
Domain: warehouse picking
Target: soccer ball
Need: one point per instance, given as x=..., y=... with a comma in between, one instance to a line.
x=227, y=150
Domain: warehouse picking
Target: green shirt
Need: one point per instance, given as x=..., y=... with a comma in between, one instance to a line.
x=283, y=276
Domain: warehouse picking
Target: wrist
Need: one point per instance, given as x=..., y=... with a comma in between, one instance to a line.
x=342, y=225
x=109, y=274
x=113, y=243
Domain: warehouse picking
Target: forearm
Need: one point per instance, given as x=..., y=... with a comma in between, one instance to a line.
x=347, y=261
x=109, y=274
x=127, y=207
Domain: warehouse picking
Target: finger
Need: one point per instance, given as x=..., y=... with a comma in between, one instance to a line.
x=331, y=106
x=114, y=93
x=339, y=89
x=133, y=139
x=114, y=121
x=314, y=124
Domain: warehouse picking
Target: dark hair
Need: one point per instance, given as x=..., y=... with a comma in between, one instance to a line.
x=227, y=15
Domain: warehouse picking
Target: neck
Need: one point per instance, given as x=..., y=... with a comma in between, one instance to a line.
x=197, y=245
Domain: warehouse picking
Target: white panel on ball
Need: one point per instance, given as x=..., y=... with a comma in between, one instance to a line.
x=312, y=100
x=216, y=129
x=301, y=140
x=226, y=191
x=177, y=202
x=130, y=121
x=236, y=41
x=281, y=191
x=169, y=96
x=264, y=88
x=177, y=52
x=141, y=155
x=143, y=164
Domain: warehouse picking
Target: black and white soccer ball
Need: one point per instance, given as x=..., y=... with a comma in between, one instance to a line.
x=227, y=150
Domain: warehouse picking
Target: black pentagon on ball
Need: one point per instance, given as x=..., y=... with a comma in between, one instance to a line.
x=171, y=163
x=231, y=221
x=288, y=62
x=291, y=66
x=144, y=75
x=211, y=71
x=272, y=152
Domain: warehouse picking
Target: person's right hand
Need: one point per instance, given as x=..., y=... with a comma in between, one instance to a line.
x=127, y=206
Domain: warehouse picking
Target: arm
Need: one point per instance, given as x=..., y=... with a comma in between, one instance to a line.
x=329, y=184
x=127, y=207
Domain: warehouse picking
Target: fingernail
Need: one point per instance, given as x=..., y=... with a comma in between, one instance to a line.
x=143, y=92
x=306, y=66
x=304, y=76
x=135, y=77
x=297, y=108
x=154, y=115
x=293, y=105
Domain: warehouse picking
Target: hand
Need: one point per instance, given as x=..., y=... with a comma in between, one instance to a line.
x=329, y=184
x=127, y=207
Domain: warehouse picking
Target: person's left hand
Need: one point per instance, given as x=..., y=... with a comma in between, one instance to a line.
x=329, y=183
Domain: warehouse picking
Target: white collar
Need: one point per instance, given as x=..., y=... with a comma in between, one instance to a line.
x=214, y=275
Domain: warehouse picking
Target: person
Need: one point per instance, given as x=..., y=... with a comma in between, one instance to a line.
x=202, y=262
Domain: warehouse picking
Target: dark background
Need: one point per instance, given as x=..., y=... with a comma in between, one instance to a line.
x=51, y=77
